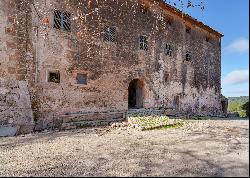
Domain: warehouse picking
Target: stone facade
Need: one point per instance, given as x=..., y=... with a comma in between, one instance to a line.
x=31, y=49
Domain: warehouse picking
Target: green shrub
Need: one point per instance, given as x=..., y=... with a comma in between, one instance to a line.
x=245, y=107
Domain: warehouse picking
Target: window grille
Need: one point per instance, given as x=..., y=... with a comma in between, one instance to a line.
x=188, y=56
x=143, y=43
x=109, y=34
x=62, y=20
x=168, y=50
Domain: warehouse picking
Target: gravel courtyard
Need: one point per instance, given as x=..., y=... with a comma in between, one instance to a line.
x=199, y=148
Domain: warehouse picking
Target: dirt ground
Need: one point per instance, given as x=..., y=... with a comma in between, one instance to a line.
x=200, y=148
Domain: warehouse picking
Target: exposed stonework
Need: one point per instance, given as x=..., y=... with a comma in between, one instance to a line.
x=15, y=106
x=31, y=48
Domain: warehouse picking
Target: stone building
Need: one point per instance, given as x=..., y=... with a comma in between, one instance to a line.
x=88, y=60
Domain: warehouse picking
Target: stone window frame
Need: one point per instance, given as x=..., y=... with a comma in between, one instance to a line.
x=62, y=20
x=49, y=71
x=109, y=33
x=143, y=43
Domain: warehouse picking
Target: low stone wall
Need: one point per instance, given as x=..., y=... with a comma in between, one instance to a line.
x=16, y=115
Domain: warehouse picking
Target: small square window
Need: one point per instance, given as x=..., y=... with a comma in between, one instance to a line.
x=166, y=77
x=168, y=50
x=143, y=9
x=169, y=20
x=188, y=56
x=81, y=79
x=54, y=77
x=143, y=43
x=62, y=20
x=109, y=34
x=188, y=30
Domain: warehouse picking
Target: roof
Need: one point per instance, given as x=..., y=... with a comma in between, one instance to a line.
x=188, y=18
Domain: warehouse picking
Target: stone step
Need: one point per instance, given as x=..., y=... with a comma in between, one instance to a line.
x=150, y=112
x=90, y=123
x=94, y=116
x=8, y=131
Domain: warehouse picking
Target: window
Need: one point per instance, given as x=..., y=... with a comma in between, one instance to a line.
x=207, y=39
x=169, y=20
x=143, y=43
x=109, y=34
x=166, y=77
x=143, y=9
x=81, y=79
x=188, y=30
x=62, y=20
x=54, y=77
x=188, y=56
x=168, y=50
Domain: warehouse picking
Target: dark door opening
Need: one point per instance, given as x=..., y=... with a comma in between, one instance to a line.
x=135, y=94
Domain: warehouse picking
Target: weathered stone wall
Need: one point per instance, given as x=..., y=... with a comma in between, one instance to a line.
x=110, y=67
x=15, y=65
x=15, y=106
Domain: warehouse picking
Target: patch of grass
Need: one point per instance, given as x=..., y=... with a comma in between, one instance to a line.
x=199, y=118
x=154, y=122
x=168, y=126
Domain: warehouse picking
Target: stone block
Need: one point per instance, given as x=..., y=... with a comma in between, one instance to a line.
x=25, y=129
x=8, y=131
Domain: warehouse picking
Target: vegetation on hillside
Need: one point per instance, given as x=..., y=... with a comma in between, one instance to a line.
x=240, y=105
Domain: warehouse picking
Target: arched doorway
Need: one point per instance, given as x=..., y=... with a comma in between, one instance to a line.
x=136, y=94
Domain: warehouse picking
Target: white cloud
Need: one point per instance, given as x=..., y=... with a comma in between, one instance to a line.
x=236, y=77
x=236, y=93
x=240, y=46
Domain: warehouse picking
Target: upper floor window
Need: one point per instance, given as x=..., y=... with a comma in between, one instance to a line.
x=143, y=43
x=169, y=20
x=188, y=30
x=81, y=79
x=168, y=50
x=143, y=9
x=109, y=34
x=207, y=39
x=188, y=56
x=62, y=20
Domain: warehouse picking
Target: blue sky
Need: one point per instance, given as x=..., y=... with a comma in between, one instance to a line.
x=231, y=18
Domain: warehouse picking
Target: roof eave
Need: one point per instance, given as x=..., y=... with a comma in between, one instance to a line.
x=188, y=17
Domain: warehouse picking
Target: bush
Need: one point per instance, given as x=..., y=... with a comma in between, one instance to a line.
x=245, y=107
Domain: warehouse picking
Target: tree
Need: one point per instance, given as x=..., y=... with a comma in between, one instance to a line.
x=245, y=107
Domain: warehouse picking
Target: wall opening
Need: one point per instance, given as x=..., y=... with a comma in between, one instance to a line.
x=136, y=94
x=177, y=103
x=224, y=107
x=54, y=76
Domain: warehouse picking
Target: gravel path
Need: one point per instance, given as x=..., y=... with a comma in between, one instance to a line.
x=199, y=148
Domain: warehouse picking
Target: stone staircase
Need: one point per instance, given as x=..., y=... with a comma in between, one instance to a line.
x=90, y=119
